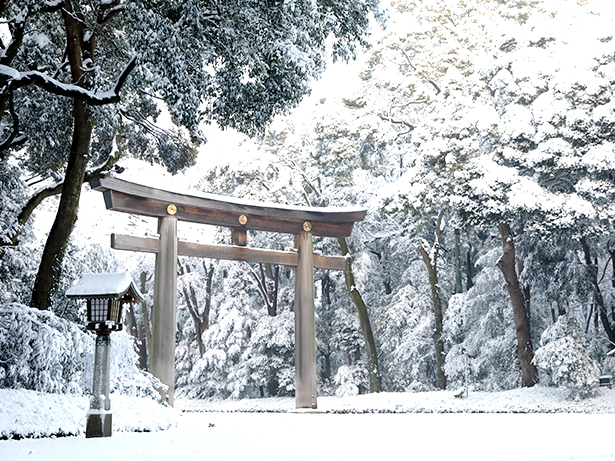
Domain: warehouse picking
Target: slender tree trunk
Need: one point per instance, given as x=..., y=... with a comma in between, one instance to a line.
x=431, y=262
x=193, y=308
x=210, y=276
x=373, y=368
x=519, y=298
x=469, y=269
x=458, y=284
x=599, y=300
x=147, y=327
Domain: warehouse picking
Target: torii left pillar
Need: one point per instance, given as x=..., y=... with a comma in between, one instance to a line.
x=164, y=312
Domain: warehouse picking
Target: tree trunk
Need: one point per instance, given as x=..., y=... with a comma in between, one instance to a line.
x=50, y=268
x=373, y=368
x=458, y=285
x=469, y=269
x=520, y=301
x=432, y=271
x=599, y=300
x=207, y=308
x=147, y=327
x=193, y=308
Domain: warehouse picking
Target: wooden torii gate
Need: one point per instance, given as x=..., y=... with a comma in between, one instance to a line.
x=240, y=216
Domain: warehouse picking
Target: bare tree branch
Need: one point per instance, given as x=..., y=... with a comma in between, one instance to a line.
x=438, y=90
x=408, y=59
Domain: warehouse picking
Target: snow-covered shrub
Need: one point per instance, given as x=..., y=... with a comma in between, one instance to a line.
x=350, y=379
x=270, y=353
x=480, y=323
x=403, y=326
x=562, y=353
x=41, y=352
x=125, y=377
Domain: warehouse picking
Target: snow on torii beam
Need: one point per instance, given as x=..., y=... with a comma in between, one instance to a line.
x=240, y=216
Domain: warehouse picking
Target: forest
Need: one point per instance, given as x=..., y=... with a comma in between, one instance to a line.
x=480, y=137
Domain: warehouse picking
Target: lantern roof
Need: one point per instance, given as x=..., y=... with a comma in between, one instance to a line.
x=114, y=285
x=611, y=354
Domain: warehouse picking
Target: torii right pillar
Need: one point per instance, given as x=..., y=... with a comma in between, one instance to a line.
x=305, y=325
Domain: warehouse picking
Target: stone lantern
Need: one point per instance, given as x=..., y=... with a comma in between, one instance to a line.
x=105, y=295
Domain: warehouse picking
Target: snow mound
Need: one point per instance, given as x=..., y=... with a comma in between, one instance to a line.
x=33, y=414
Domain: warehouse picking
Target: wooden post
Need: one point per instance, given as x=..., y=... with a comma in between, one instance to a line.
x=305, y=327
x=164, y=311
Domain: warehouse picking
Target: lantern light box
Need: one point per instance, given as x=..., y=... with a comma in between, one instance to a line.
x=105, y=295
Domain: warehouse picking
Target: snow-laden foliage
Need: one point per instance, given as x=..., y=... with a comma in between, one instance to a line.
x=480, y=329
x=16, y=262
x=563, y=353
x=247, y=350
x=13, y=192
x=41, y=352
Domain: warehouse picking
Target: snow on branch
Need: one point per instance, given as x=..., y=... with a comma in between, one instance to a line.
x=16, y=79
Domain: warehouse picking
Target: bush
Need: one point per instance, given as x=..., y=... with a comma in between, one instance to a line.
x=41, y=352
x=563, y=355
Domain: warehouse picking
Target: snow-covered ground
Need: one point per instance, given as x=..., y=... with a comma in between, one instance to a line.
x=427, y=426
x=528, y=400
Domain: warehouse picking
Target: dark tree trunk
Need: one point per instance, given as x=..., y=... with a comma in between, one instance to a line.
x=50, y=268
x=432, y=272
x=201, y=320
x=598, y=299
x=458, y=284
x=210, y=276
x=373, y=368
x=273, y=387
x=469, y=269
x=519, y=298
x=147, y=327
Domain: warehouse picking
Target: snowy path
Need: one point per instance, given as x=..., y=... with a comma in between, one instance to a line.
x=290, y=437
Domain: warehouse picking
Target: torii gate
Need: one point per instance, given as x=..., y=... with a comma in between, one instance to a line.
x=240, y=216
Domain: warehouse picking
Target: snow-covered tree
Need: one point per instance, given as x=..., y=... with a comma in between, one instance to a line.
x=235, y=64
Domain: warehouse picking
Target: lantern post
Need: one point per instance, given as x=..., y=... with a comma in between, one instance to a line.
x=105, y=295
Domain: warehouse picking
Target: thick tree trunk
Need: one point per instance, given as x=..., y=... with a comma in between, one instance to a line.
x=50, y=268
x=520, y=301
x=373, y=367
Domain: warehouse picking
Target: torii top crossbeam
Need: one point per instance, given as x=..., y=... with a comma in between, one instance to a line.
x=224, y=211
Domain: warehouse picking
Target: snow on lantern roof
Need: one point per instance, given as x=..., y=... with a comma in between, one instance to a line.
x=611, y=354
x=114, y=285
